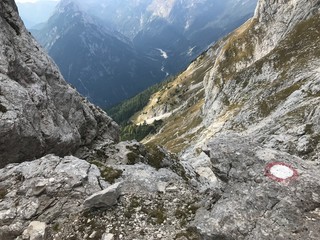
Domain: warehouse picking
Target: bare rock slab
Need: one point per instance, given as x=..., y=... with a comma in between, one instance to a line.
x=35, y=231
x=105, y=198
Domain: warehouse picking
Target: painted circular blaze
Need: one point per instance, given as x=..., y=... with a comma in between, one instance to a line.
x=281, y=172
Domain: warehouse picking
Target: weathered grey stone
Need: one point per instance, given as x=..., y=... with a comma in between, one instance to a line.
x=11, y=232
x=105, y=198
x=143, y=178
x=35, y=231
x=253, y=206
x=93, y=235
x=107, y=236
x=172, y=189
x=46, y=189
x=162, y=186
x=39, y=112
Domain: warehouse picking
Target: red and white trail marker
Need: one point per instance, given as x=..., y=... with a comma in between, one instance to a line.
x=281, y=172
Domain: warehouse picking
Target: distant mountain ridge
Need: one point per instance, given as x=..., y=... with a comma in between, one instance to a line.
x=111, y=50
x=99, y=62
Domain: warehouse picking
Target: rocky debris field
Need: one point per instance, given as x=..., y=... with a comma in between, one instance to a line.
x=151, y=216
x=258, y=193
x=68, y=198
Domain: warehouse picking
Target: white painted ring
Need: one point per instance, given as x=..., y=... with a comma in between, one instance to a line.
x=281, y=171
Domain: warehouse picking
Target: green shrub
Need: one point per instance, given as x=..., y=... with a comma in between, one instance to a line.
x=3, y=192
x=109, y=174
x=139, y=132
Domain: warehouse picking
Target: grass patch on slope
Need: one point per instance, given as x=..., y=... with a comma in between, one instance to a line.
x=239, y=48
x=177, y=133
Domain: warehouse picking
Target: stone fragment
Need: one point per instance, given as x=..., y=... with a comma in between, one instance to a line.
x=207, y=173
x=105, y=198
x=93, y=234
x=107, y=236
x=35, y=231
x=172, y=189
x=162, y=187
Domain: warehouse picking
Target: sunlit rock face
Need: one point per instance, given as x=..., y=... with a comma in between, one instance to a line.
x=266, y=76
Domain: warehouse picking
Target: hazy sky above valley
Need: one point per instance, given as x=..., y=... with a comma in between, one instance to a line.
x=23, y=1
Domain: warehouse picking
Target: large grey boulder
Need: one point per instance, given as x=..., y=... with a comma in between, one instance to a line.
x=39, y=112
x=251, y=203
x=144, y=179
x=47, y=190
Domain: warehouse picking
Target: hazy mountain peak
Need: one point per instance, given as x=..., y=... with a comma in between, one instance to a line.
x=67, y=5
x=161, y=8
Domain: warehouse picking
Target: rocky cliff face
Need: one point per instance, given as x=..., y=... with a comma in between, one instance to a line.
x=267, y=76
x=39, y=112
x=248, y=138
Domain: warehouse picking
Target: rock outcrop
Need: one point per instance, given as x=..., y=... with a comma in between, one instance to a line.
x=46, y=190
x=253, y=205
x=39, y=112
x=61, y=198
x=265, y=80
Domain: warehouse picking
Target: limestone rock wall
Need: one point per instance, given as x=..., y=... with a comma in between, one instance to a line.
x=39, y=112
x=264, y=83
